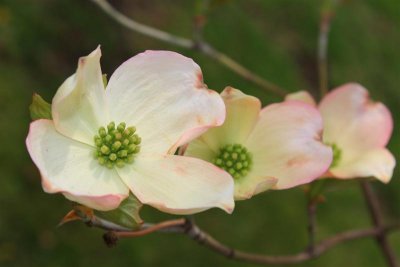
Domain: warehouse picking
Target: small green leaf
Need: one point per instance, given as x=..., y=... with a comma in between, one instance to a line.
x=39, y=108
x=104, y=76
x=127, y=214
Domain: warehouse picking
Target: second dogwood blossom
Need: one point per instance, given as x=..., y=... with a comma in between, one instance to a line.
x=276, y=147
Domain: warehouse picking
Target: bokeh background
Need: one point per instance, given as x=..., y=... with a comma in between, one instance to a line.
x=40, y=42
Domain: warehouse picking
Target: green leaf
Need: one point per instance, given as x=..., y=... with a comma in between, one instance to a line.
x=104, y=76
x=127, y=214
x=39, y=108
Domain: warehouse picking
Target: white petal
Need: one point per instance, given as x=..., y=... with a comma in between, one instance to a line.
x=200, y=149
x=353, y=122
x=162, y=94
x=378, y=163
x=286, y=144
x=303, y=96
x=241, y=115
x=179, y=185
x=68, y=167
x=79, y=107
x=253, y=184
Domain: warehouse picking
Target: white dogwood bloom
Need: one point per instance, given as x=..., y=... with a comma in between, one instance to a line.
x=105, y=142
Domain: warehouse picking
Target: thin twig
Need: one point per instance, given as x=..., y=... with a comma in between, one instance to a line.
x=314, y=197
x=200, y=20
x=327, y=14
x=377, y=219
x=189, y=228
x=312, y=224
x=195, y=233
x=112, y=236
x=106, y=225
x=199, y=45
x=141, y=28
x=152, y=229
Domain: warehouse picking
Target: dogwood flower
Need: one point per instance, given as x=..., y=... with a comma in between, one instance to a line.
x=104, y=142
x=358, y=131
x=276, y=147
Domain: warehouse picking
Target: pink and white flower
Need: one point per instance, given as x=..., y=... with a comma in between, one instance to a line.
x=358, y=129
x=276, y=147
x=83, y=154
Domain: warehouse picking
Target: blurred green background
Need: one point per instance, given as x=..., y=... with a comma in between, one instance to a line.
x=40, y=42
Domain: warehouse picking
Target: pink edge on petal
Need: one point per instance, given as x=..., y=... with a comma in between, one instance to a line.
x=104, y=202
x=367, y=105
x=195, y=132
x=378, y=163
x=227, y=206
x=325, y=151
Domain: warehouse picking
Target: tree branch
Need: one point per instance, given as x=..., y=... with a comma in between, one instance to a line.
x=189, y=228
x=208, y=241
x=377, y=219
x=327, y=14
x=312, y=224
x=197, y=44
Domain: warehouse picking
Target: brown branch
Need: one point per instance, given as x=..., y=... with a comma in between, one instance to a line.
x=189, y=228
x=200, y=19
x=377, y=219
x=141, y=28
x=196, y=44
x=327, y=14
x=111, y=237
x=195, y=233
x=312, y=224
x=152, y=228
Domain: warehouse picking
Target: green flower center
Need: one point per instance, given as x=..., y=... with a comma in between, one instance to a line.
x=235, y=159
x=116, y=146
x=337, y=155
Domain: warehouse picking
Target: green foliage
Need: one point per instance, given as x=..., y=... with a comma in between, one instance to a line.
x=39, y=108
x=127, y=214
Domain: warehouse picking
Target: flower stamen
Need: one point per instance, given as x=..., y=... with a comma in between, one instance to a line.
x=235, y=159
x=116, y=145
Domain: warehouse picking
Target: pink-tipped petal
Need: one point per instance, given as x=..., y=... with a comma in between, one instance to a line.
x=179, y=185
x=79, y=107
x=68, y=167
x=162, y=94
x=353, y=122
x=286, y=144
x=302, y=96
x=377, y=163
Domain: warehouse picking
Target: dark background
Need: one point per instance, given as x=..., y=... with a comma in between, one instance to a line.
x=40, y=43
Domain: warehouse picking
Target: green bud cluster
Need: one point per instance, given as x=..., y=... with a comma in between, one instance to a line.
x=235, y=159
x=337, y=154
x=116, y=145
